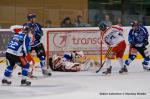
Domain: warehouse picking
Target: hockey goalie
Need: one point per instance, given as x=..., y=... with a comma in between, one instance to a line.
x=70, y=62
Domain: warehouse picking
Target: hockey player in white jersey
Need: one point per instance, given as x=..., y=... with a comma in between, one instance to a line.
x=114, y=40
x=17, y=53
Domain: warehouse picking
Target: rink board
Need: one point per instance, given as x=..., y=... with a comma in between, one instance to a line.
x=5, y=34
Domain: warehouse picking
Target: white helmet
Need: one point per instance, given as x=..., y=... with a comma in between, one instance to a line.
x=16, y=28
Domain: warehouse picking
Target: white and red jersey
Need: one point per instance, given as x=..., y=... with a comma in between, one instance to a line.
x=113, y=36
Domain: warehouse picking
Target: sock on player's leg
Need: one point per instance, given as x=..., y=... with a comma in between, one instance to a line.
x=130, y=59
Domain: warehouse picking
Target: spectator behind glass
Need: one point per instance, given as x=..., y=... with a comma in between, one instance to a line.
x=48, y=24
x=66, y=22
x=119, y=21
x=107, y=20
x=144, y=20
x=79, y=22
x=0, y=27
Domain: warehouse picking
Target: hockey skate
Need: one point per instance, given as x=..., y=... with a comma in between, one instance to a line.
x=46, y=73
x=30, y=75
x=24, y=82
x=6, y=82
x=146, y=68
x=108, y=71
x=123, y=70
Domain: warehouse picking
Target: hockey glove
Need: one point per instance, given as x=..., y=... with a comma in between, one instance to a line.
x=30, y=59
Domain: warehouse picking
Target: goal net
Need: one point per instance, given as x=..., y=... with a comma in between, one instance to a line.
x=87, y=40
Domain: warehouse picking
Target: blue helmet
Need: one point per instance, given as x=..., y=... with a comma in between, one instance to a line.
x=31, y=16
x=102, y=26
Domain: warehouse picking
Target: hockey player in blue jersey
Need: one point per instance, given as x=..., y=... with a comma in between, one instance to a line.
x=17, y=50
x=138, y=39
x=37, y=44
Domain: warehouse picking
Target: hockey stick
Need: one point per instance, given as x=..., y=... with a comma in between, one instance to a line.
x=107, y=54
x=101, y=66
x=2, y=61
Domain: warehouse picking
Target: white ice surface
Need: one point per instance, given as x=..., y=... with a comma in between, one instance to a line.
x=81, y=85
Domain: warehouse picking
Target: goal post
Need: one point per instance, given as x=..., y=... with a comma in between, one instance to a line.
x=88, y=40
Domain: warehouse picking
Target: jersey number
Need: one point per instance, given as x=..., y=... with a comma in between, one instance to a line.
x=13, y=45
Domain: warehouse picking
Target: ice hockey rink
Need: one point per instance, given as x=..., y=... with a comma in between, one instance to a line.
x=82, y=85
